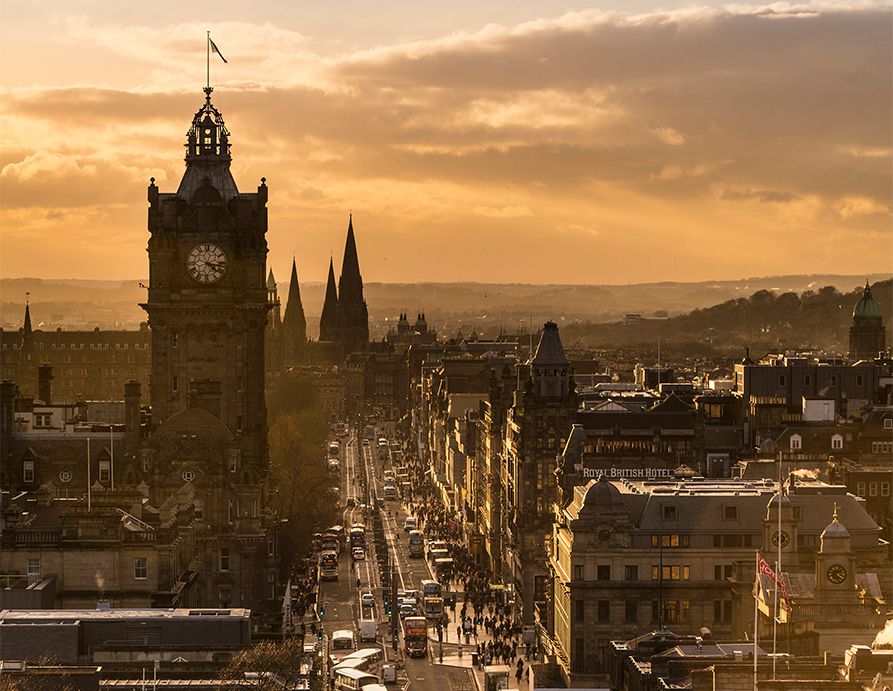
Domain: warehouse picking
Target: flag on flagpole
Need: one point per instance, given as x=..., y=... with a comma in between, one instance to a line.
x=764, y=569
x=215, y=49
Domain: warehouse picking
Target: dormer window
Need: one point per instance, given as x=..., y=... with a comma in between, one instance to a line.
x=796, y=442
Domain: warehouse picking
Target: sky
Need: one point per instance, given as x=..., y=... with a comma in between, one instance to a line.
x=504, y=141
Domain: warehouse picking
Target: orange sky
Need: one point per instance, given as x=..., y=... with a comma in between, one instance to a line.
x=581, y=146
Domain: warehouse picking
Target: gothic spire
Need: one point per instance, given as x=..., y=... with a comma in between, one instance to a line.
x=353, y=316
x=294, y=323
x=328, y=320
x=27, y=325
x=350, y=284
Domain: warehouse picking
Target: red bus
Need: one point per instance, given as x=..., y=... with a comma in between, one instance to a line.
x=415, y=636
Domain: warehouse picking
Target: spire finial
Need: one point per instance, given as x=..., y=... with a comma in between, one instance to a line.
x=834, y=517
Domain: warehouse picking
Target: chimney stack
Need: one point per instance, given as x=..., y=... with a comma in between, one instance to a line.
x=45, y=383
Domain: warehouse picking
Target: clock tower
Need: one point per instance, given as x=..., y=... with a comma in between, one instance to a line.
x=207, y=300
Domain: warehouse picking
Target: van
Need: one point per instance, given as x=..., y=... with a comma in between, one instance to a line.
x=409, y=524
x=368, y=630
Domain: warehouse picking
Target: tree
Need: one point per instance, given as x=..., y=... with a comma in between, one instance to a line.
x=297, y=441
x=269, y=664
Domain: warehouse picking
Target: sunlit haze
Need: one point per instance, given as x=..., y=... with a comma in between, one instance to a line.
x=503, y=141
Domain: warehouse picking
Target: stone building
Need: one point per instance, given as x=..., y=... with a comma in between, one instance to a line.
x=868, y=337
x=208, y=306
x=536, y=428
x=88, y=365
x=632, y=556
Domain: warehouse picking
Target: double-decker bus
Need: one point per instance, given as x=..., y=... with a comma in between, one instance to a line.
x=415, y=636
x=357, y=537
x=433, y=606
x=328, y=565
x=431, y=587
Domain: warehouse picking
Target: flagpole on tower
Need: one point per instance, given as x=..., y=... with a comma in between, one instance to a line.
x=208, y=61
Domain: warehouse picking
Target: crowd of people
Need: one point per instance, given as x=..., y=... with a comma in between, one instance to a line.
x=484, y=617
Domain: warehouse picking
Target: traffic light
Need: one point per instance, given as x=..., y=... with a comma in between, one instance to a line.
x=319, y=634
x=322, y=611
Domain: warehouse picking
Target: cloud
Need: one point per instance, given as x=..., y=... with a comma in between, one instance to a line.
x=771, y=120
x=502, y=211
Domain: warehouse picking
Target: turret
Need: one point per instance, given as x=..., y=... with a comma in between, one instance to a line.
x=550, y=368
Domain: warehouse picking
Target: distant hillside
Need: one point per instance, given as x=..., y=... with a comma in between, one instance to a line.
x=764, y=321
x=449, y=307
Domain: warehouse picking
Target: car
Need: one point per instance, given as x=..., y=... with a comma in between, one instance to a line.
x=358, y=554
x=367, y=599
x=351, y=502
x=411, y=595
x=408, y=610
x=409, y=524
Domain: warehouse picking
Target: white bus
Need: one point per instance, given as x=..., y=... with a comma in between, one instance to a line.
x=349, y=679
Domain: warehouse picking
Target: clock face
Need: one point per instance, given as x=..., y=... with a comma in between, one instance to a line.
x=781, y=537
x=836, y=574
x=206, y=263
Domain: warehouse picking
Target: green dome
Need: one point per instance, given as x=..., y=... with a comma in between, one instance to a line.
x=867, y=305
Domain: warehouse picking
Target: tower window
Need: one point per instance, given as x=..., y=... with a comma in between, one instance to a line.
x=174, y=384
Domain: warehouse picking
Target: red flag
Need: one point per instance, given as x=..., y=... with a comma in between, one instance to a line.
x=766, y=569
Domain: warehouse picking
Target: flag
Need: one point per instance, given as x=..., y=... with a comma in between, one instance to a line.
x=215, y=49
x=764, y=569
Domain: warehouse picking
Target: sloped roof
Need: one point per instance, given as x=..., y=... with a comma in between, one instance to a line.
x=549, y=351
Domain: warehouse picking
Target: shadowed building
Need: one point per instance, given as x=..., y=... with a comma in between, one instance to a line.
x=208, y=307
x=867, y=333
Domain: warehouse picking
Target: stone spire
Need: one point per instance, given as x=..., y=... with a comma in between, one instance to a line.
x=550, y=366
x=294, y=324
x=353, y=316
x=328, y=320
x=27, y=325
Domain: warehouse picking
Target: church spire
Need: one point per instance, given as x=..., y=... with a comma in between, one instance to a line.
x=27, y=325
x=328, y=321
x=353, y=317
x=294, y=324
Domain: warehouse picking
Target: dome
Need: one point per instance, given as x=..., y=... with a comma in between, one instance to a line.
x=835, y=528
x=603, y=496
x=867, y=305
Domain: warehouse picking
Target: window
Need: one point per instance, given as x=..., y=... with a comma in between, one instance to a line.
x=888, y=423
x=872, y=489
x=140, y=568
x=32, y=567
x=604, y=572
x=224, y=559
x=105, y=471
x=579, y=610
x=174, y=384
x=796, y=441
x=631, y=572
x=722, y=611
x=43, y=419
x=198, y=509
x=604, y=611
x=858, y=380
x=837, y=442
x=833, y=380
x=781, y=380
x=860, y=489
x=27, y=471
x=630, y=612
x=578, y=572
x=229, y=510
x=225, y=596
x=239, y=423
x=730, y=513
x=175, y=339
x=885, y=489
x=670, y=512
x=271, y=545
x=807, y=380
